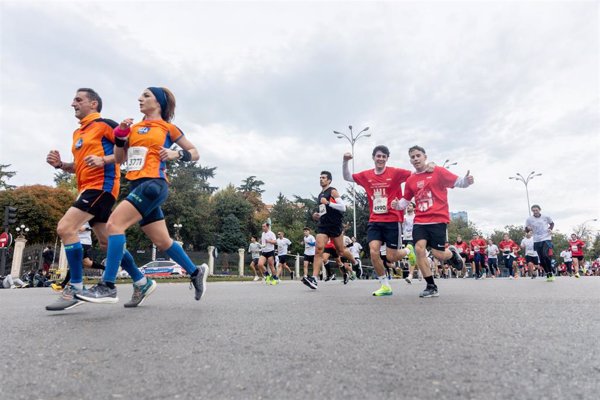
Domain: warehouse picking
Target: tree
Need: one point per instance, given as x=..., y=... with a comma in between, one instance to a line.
x=39, y=208
x=191, y=176
x=6, y=175
x=251, y=185
x=515, y=232
x=66, y=180
x=231, y=237
x=460, y=227
x=229, y=201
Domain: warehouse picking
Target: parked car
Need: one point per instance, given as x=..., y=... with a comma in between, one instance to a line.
x=162, y=268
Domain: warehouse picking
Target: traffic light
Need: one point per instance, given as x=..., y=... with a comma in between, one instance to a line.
x=10, y=215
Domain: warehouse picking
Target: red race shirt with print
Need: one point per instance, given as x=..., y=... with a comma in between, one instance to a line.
x=382, y=190
x=430, y=190
x=462, y=247
x=479, y=245
x=576, y=247
x=508, y=246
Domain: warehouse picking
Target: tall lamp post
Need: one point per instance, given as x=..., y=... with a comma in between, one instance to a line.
x=525, y=181
x=22, y=230
x=353, y=139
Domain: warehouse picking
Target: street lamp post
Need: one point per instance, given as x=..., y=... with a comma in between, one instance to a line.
x=22, y=230
x=525, y=181
x=447, y=164
x=353, y=139
x=177, y=227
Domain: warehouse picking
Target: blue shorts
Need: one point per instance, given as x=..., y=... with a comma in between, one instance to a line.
x=146, y=196
x=385, y=232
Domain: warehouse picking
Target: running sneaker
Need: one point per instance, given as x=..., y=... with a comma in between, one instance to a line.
x=140, y=293
x=56, y=287
x=430, y=291
x=199, y=282
x=256, y=278
x=456, y=260
x=346, y=278
x=330, y=278
x=408, y=279
x=550, y=278
x=310, y=282
x=66, y=301
x=353, y=276
x=384, y=290
x=275, y=281
x=412, y=257
x=577, y=275
x=99, y=293
x=268, y=279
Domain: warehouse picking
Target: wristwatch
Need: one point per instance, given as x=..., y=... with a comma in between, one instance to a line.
x=181, y=154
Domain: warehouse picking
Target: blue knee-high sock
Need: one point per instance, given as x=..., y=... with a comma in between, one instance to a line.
x=114, y=254
x=176, y=253
x=129, y=265
x=74, y=252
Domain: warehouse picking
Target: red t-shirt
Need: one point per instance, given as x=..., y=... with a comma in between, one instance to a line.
x=508, y=246
x=479, y=245
x=462, y=247
x=576, y=247
x=382, y=190
x=431, y=195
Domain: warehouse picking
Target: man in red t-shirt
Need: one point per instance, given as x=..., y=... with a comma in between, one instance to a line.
x=430, y=193
x=576, y=245
x=382, y=185
x=478, y=246
x=509, y=250
x=463, y=250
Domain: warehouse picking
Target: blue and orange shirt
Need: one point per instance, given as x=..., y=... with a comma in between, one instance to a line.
x=95, y=137
x=146, y=140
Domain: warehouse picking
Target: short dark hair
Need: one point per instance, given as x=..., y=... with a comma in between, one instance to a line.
x=415, y=147
x=306, y=228
x=382, y=149
x=536, y=206
x=93, y=96
x=328, y=174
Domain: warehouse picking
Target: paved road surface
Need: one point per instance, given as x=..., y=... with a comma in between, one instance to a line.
x=490, y=339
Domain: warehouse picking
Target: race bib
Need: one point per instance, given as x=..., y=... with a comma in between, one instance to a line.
x=380, y=205
x=322, y=210
x=476, y=248
x=136, y=158
x=574, y=248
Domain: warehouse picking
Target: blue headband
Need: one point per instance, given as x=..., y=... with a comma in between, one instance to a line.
x=161, y=97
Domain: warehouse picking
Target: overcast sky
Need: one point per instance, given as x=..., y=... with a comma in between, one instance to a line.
x=498, y=87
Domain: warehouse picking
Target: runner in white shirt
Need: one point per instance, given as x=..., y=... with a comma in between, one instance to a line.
x=282, y=251
x=355, y=249
x=541, y=226
x=531, y=256
x=309, y=249
x=267, y=254
x=254, y=250
x=492, y=253
x=567, y=256
x=407, y=238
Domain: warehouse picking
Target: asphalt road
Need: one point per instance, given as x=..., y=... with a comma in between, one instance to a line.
x=490, y=339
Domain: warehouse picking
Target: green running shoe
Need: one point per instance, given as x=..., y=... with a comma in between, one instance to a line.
x=384, y=290
x=550, y=278
x=412, y=257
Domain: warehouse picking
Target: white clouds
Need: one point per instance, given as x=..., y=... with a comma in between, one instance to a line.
x=498, y=87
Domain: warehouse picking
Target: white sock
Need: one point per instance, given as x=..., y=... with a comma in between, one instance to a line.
x=384, y=280
x=141, y=282
x=78, y=286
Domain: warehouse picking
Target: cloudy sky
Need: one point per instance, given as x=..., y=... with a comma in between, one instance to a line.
x=497, y=87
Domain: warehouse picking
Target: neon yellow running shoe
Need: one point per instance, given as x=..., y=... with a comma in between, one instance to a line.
x=550, y=278
x=384, y=290
x=56, y=287
x=269, y=280
x=412, y=258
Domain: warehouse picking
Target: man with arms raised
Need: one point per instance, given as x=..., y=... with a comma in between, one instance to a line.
x=429, y=190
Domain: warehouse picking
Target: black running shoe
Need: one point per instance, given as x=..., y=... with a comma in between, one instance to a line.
x=310, y=282
x=430, y=291
x=456, y=260
x=330, y=278
x=346, y=278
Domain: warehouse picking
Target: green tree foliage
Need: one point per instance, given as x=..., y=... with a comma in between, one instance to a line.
x=4, y=176
x=231, y=238
x=460, y=227
x=251, y=185
x=229, y=201
x=515, y=232
x=594, y=252
x=65, y=180
x=39, y=208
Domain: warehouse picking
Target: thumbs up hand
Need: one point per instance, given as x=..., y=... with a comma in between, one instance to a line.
x=469, y=178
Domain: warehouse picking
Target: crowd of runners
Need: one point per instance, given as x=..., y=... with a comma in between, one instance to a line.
x=407, y=228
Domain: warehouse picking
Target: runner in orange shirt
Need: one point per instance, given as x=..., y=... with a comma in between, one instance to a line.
x=146, y=148
x=98, y=185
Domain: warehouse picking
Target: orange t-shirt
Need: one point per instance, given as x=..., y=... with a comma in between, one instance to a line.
x=95, y=137
x=146, y=140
